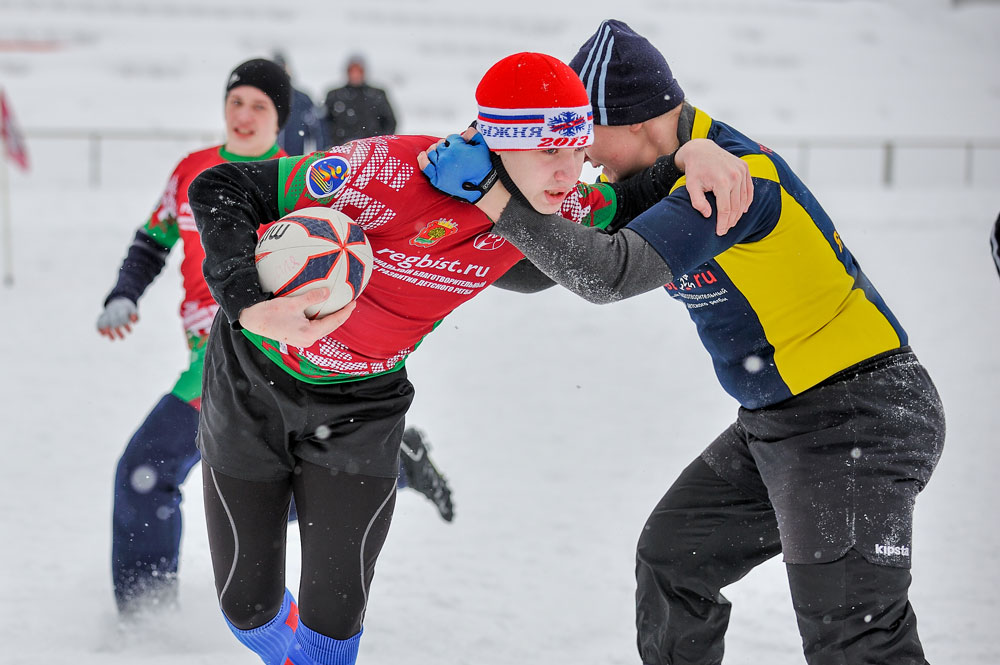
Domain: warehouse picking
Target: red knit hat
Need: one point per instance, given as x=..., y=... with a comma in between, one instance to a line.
x=532, y=101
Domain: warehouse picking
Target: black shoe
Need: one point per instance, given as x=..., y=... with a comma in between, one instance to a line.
x=422, y=475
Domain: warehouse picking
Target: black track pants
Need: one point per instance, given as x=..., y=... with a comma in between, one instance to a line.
x=703, y=535
x=343, y=523
x=706, y=534
x=852, y=612
x=828, y=478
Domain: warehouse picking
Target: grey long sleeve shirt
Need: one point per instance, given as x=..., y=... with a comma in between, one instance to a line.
x=599, y=267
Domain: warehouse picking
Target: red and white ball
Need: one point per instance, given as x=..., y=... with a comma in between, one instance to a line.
x=311, y=248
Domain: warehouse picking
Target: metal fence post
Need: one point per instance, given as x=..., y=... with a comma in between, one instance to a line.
x=887, y=166
x=95, y=160
x=969, y=156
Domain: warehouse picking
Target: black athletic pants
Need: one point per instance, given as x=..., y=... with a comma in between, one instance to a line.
x=828, y=478
x=343, y=523
x=265, y=436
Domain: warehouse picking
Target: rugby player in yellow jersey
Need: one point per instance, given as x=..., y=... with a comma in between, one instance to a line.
x=839, y=426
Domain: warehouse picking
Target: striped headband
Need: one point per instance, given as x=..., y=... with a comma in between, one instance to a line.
x=532, y=101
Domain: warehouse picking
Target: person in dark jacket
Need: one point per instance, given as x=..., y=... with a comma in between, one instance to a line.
x=357, y=110
x=304, y=131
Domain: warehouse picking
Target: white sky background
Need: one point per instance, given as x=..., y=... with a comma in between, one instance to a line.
x=559, y=423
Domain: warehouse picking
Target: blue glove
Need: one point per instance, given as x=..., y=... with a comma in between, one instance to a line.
x=461, y=168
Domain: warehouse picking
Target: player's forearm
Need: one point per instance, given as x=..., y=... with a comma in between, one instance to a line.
x=641, y=191
x=142, y=264
x=524, y=277
x=229, y=203
x=599, y=267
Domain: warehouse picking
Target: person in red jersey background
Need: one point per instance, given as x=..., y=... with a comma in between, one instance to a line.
x=146, y=528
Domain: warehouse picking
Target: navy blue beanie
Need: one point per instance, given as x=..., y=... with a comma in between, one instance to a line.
x=268, y=77
x=627, y=79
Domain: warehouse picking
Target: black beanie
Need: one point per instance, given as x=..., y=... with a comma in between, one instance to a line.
x=269, y=78
x=627, y=79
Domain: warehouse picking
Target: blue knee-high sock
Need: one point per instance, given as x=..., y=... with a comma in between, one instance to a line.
x=312, y=648
x=271, y=641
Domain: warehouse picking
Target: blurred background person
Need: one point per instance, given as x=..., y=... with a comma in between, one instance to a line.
x=304, y=131
x=146, y=525
x=357, y=110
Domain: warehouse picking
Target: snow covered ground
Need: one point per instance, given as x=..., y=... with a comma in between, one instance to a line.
x=540, y=408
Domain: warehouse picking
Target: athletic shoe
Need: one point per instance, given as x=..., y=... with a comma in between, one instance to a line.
x=421, y=474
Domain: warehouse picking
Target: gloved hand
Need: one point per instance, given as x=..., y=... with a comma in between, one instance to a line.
x=117, y=318
x=461, y=168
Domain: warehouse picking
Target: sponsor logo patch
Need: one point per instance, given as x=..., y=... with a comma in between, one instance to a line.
x=434, y=232
x=326, y=176
x=892, y=550
x=488, y=242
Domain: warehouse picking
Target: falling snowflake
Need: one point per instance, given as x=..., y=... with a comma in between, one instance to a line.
x=143, y=479
x=753, y=364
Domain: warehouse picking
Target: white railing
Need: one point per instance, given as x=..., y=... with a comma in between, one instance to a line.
x=123, y=154
x=892, y=162
x=95, y=142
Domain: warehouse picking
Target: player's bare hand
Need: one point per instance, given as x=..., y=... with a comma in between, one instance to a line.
x=284, y=319
x=117, y=318
x=423, y=160
x=709, y=168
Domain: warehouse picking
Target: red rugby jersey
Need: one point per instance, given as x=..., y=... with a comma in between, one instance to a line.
x=172, y=221
x=432, y=252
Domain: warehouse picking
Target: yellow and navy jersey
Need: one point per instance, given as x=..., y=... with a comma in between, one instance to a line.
x=780, y=302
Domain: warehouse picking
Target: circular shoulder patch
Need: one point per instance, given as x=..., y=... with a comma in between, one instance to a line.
x=326, y=176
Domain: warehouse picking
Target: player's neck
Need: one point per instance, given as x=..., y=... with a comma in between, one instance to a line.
x=249, y=152
x=661, y=132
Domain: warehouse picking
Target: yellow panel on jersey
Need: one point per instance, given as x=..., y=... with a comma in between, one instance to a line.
x=805, y=300
x=779, y=301
x=702, y=124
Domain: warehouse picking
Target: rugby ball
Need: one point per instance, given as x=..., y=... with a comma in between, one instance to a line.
x=311, y=248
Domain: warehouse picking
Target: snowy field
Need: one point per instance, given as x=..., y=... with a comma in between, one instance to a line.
x=539, y=407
